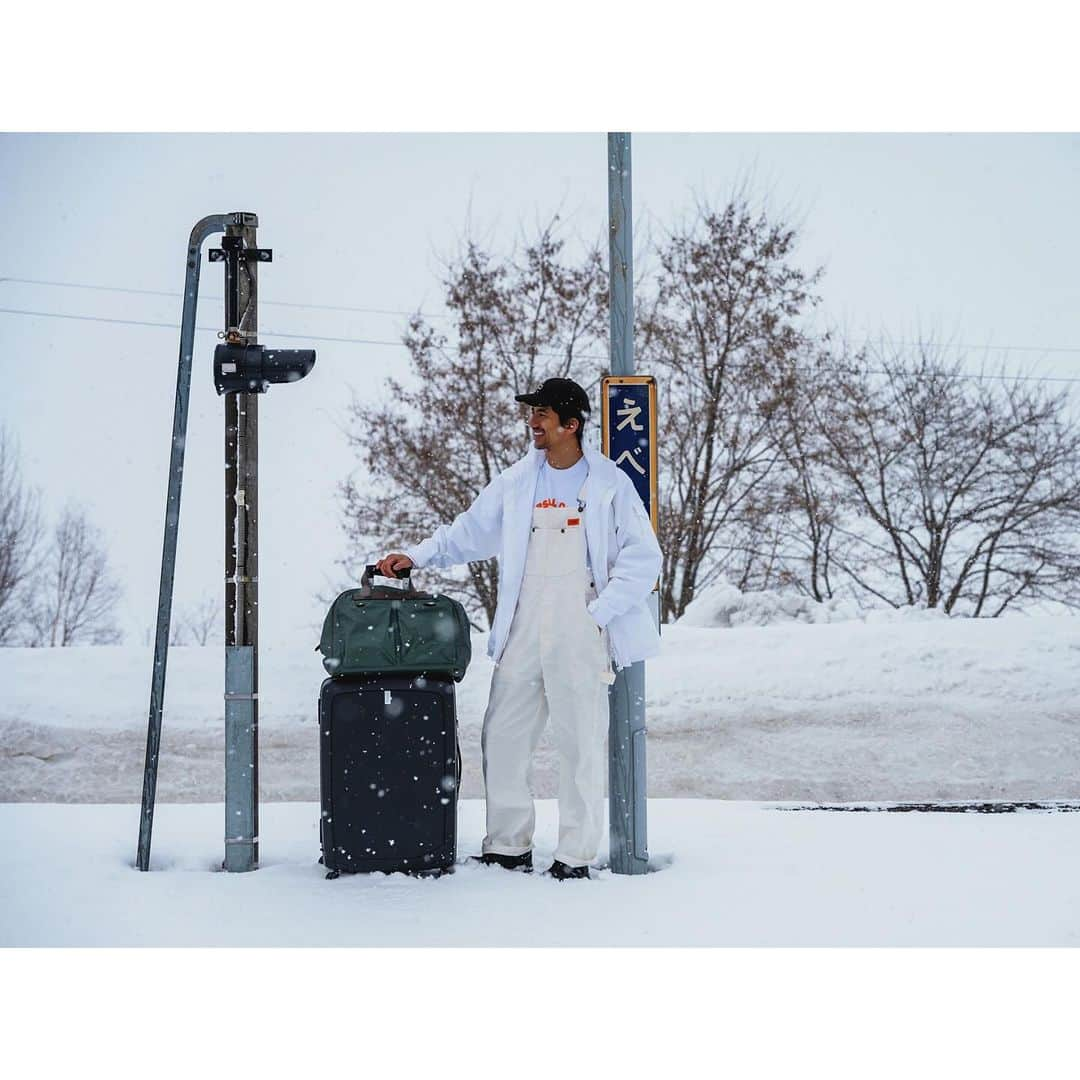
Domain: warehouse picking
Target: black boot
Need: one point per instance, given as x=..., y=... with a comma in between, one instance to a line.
x=507, y=862
x=561, y=872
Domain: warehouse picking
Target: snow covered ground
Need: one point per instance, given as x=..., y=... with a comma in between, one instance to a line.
x=890, y=707
x=759, y=707
x=727, y=874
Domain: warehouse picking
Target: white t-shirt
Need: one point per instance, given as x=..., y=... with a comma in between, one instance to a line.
x=560, y=487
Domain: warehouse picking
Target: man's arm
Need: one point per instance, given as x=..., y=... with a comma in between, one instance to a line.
x=474, y=535
x=639, y=559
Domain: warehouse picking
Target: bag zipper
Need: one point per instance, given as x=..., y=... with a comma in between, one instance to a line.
x=396, y=623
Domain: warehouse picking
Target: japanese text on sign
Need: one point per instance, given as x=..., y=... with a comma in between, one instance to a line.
x=629, y=432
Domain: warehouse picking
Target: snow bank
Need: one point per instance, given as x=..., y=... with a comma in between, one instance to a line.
x=915, y=709
x=723, y=605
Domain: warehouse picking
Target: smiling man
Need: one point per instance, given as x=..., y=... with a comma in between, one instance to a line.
x=577, y=561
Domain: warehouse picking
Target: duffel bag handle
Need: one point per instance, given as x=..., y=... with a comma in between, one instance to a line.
x=372, y=571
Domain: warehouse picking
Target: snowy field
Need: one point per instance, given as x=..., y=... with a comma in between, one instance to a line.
x=890, y=708
x=752, y=712
x=726, y=874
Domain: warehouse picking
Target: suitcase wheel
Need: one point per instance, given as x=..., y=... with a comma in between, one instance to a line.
x=333, y=874
x=436, y=873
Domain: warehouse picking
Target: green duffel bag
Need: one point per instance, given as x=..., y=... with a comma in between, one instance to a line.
x=372, y=629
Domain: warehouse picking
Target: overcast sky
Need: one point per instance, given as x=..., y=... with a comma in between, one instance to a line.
x=971, y=237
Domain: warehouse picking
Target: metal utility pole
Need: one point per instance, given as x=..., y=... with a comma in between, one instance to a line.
x=243, y=369
x=626, y=730
x=241, y=256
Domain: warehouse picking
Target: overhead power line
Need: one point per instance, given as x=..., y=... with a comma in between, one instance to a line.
x=178, y=296
x=401, y=345
x=443, y=315
x=176, y=326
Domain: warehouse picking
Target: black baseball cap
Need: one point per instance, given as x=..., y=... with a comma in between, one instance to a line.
x=562, y=395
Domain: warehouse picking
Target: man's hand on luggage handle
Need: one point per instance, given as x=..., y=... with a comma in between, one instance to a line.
x=393, y=562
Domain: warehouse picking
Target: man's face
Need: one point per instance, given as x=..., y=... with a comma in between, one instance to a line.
x=547, y=430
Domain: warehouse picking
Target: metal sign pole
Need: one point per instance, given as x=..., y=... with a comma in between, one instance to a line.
x=626, y=729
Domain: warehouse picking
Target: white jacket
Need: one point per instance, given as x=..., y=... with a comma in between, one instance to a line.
x=623, y=551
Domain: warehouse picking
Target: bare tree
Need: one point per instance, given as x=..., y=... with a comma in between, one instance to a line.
x=967, y=489
x=810, y=505
x=444, y=434
x=74, y=595
x=203, y=622
x=20, y=533
x=193, y=625
x=718, y=330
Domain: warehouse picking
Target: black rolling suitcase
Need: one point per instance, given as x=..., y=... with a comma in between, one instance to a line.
x=389, y=774
x=389, y=763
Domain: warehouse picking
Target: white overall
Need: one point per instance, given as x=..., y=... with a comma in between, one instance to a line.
x=556, y=663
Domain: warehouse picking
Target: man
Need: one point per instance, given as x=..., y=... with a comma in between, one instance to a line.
x=577, y=561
